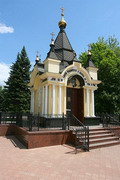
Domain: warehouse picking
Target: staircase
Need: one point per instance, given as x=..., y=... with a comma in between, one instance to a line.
x=102, y=137
x=93, y=137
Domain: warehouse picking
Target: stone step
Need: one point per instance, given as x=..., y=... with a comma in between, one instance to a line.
x=101, y=136
x=103, y=144
x=98, y=129
x=102, y=131
x=99, y=140
x=99, y=132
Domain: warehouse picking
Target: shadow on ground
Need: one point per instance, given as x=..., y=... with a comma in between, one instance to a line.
x=72, y=149
x=16, y=142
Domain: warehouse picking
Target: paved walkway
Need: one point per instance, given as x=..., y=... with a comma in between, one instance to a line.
x=57, y=162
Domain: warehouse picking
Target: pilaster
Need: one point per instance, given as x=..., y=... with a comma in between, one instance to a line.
x=46, y=99
x=53, y=99
x=43, y=95
x=32, y=101
x=59, y=99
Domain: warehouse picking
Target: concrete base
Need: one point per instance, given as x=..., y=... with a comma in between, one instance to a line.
x=38, y=138
x=52, y=122
x=91, y=121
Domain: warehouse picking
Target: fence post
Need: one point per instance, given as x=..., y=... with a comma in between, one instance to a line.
x=68, y=120
x=38, y=121
x=0, y=117
x=63, y=122
x=19, y=119
x=70, y=116
x=88, y=136
x=30, y=122
x=20, y=116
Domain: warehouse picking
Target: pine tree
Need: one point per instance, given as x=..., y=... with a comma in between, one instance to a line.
x=1, y=98
x=17, y=90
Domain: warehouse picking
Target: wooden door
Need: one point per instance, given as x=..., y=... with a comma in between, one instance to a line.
x=75, y=102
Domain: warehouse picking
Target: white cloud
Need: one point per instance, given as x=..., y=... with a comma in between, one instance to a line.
x=6, y=29
x=4, y=73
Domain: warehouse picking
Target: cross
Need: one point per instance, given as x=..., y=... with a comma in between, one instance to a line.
x=62, y=9
x=37, y=53
x=89, y=47
x=52, y=34
x=89, y=50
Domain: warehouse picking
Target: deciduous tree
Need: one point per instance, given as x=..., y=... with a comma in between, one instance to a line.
x=106, y=56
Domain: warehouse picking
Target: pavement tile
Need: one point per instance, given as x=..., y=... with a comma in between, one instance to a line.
x=57, y=162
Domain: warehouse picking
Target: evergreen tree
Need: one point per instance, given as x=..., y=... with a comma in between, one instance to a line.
x=106, y=56
x=1, y=98
x=17, y=91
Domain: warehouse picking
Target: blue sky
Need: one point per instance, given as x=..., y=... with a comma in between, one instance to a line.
x=29, y=23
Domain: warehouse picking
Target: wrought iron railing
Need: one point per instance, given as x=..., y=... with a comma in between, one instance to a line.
x=45, y=121
x=33, y=122
x=7, y=118
x=48, y=121
x=112, y=123
x=52, y=115
x=110, y=120
x=81, y=132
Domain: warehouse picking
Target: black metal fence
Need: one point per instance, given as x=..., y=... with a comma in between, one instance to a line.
x=105, y=116
x=34, y=122
x=7, y=118
x=50, y=122
x=112, y=122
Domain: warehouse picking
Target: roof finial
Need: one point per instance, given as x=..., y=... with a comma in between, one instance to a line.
x=52, y=39
x=62, y=24
x=62, y=13
x=37, y=57
x=89, y=60
x=89, y=50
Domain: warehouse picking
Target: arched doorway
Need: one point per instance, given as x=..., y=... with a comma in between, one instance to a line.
x=75, y=96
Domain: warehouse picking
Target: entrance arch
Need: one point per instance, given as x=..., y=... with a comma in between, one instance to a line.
x=75, y=96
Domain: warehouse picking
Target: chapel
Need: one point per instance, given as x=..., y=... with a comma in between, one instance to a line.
x=60, y=84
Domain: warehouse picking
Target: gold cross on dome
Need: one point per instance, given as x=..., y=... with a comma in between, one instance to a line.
x=62, y=9
x=52, y=34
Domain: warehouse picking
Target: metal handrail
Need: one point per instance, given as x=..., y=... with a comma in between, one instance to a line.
x=113, y=126
x=78, y=120
x=82, y=134
x=114, y=119
x=107, y=120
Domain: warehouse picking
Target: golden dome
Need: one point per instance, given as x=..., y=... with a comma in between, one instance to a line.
x=62, y=23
